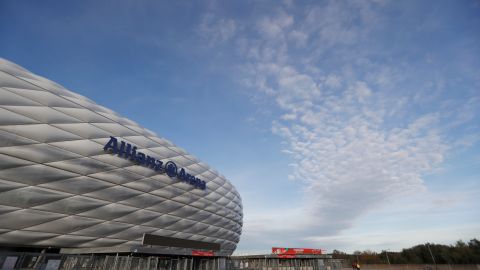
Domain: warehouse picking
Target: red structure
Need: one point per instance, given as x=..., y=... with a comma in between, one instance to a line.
x=292, y=252
x=203, y=253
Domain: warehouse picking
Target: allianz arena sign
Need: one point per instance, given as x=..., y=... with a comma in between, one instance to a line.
x=127, y=151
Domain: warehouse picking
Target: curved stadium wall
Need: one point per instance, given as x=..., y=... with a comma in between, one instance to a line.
x=64, y=183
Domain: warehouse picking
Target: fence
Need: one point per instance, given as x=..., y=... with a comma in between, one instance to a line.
x=285, y=264
x=42, y=261
x=418, y=267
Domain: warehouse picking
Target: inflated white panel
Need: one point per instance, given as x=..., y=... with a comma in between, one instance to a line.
x=58, y=187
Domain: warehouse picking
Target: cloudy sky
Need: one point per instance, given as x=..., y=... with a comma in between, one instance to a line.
x=346, y=125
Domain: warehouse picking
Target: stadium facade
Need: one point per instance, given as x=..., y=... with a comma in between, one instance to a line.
x=76, y=175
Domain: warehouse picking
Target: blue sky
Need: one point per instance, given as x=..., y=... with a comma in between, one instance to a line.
x=346, y=125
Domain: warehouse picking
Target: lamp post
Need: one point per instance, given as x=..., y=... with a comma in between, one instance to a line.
x=431, y=254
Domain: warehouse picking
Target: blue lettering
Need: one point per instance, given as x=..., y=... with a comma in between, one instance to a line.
x=125, y=152
x=140, y=158
x=181, y=174
x=111, y=145
x=190, y=178
x=158, y=166
x=150, y=162
x=133, y=156
x=129, y=151
x=171, y=169
x=197, y=182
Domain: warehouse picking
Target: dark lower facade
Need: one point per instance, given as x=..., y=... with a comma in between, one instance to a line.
x=275, y=262
x=57, y=261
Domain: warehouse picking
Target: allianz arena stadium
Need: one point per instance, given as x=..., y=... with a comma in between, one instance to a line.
x=77, y=176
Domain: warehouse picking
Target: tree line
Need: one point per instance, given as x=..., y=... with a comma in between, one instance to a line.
x=459, y=253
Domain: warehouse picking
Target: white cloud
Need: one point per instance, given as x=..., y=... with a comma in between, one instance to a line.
x=333, y=81
x=349, y=163
x=299, y=38
x=358, y=131
x=272, y=27
x=216, y=30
